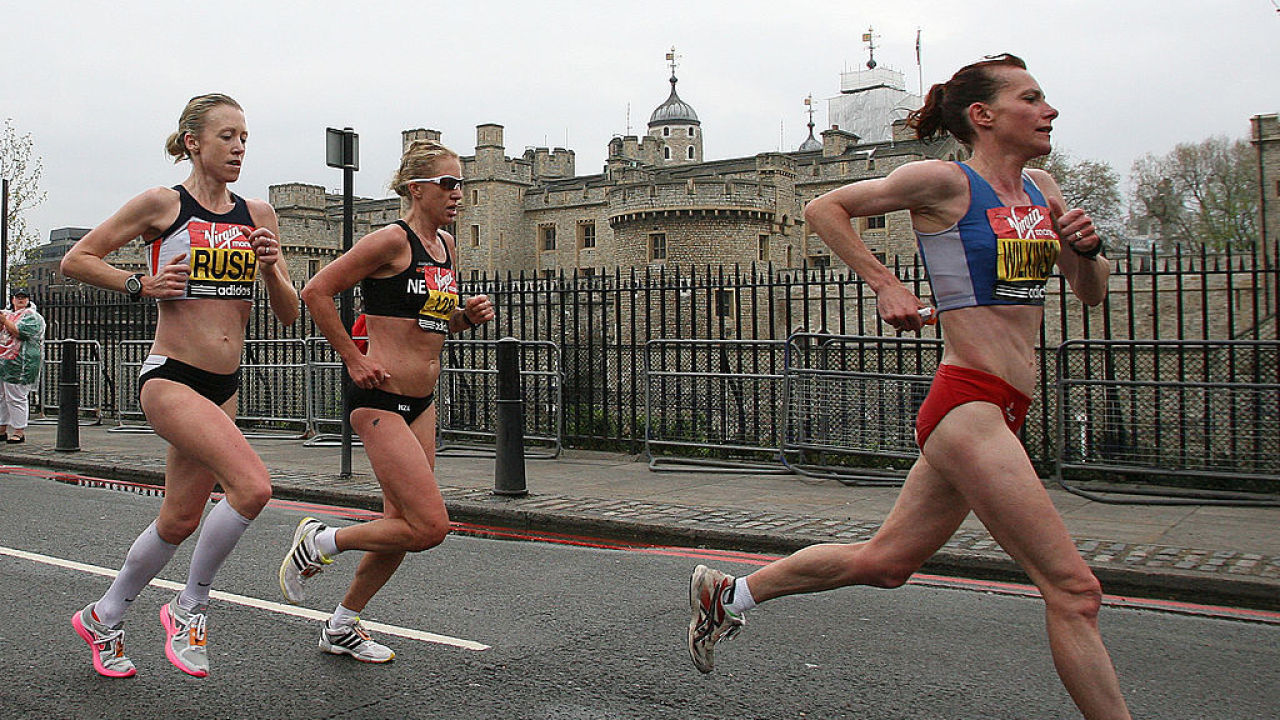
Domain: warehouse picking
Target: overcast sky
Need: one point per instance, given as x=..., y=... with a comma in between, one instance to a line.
x=100, y=85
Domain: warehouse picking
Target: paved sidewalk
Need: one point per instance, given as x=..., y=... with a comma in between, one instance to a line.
x=1207, y=554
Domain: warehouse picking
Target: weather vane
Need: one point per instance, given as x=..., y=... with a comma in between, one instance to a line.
x=868, y=37
x=673, y=60
x=808, y=103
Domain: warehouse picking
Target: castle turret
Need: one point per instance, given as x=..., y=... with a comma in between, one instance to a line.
x=810, y=143
x=675, y=123
x=489, y=149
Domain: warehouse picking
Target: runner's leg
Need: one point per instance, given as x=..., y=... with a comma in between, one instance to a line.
x=925, y=515
x=988, y=465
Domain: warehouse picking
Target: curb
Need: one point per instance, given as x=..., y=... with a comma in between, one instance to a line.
x=1164, y=584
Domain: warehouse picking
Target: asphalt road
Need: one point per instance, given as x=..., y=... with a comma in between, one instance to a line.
x=571, y=632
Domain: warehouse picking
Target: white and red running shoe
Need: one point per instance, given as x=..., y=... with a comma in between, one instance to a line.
x=710, y=621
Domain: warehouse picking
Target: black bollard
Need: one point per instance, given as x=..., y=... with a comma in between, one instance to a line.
x=69, y=400
x=509, y=467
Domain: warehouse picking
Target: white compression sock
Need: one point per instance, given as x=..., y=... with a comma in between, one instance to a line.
x=147, y=557
x=222, y=530
x=741, y=600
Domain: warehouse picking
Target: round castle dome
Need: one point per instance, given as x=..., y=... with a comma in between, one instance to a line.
x=674, y=110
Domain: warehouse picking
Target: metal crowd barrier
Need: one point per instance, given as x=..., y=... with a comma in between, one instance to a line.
x=273, y=389
x=1125, y=434
x=466, y=396
x=129, y=415
x=93, y=384
x=714, y=400
x=324, y=393
x=850, y=405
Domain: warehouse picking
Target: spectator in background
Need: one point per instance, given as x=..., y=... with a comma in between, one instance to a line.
x=21, y=353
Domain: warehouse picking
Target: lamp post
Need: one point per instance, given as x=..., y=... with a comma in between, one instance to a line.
x=342, y=150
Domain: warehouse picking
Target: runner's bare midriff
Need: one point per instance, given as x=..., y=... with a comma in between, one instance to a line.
x=410, y=354
x=996, y=339
x=205, y=333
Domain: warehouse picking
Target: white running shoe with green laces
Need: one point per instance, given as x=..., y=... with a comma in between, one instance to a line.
x=302, y=561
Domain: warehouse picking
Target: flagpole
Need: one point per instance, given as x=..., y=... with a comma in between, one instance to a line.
x=919, y=67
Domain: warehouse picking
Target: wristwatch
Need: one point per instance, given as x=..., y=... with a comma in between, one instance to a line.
x=133, y=286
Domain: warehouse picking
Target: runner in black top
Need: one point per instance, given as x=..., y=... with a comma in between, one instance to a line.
x=411, y=303
x=207, y=247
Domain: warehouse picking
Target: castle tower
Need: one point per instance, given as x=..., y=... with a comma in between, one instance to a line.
x=676, y=124
x=1265, y=136
x=871, y=100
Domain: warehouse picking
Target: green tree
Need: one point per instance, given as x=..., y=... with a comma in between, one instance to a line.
x=1091, y=185
x=22, y=168
x=1200, y=194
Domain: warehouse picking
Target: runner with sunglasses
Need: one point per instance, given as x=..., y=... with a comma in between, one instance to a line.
x=406, y=271
x=205, y=248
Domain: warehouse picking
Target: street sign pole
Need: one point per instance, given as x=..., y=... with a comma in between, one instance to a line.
x=343, y=151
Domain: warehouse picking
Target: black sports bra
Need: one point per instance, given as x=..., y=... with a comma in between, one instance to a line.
x=426, y=290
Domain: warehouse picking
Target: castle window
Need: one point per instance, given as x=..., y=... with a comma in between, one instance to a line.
x=548, y=237
x=475, y=197
x=587, y=235
x=819, y=261
x=877, y=222
x=724, y=303
x=690, y=152
x=666, y=132
x=762, y=249
x=313, y=267
x=690, y=132
x=666, y=153
x=475, y=236
x=657, y=246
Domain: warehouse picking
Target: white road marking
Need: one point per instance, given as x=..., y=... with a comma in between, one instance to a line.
x=251, y=602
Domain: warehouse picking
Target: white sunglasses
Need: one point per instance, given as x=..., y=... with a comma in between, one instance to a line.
x=446, y=182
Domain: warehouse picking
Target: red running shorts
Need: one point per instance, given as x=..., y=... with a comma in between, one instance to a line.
x=954, y=385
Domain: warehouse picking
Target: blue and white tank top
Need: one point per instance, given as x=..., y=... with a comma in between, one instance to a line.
x=995, y=254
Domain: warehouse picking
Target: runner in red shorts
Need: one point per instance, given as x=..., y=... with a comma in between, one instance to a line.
x=990, y=231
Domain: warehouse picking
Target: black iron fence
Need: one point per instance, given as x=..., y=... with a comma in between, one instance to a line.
x=602, y=323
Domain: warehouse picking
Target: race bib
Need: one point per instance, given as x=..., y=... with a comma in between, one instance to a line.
x=1026, y=250
x=223, y=263
x=441, y=289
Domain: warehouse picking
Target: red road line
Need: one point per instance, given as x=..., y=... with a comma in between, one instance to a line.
x=744, y=558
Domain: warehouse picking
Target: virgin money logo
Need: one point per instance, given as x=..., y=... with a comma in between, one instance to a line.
x=1025, y=226
x=219, y=235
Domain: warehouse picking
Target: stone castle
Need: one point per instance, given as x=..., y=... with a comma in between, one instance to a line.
x=657, y=201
